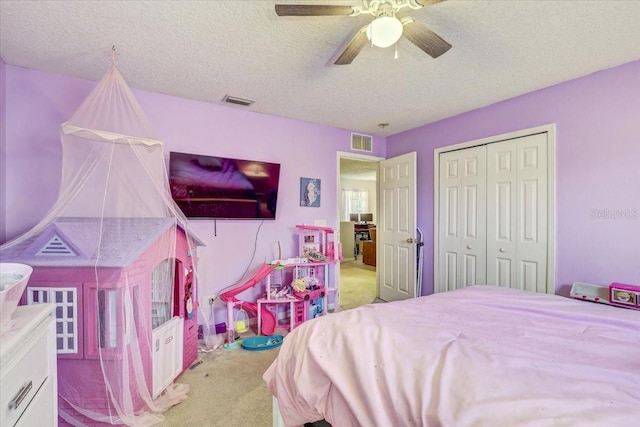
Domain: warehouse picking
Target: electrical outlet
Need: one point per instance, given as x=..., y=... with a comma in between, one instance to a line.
x=208, y=299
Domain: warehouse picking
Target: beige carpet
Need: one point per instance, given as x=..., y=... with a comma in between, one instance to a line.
x=357, y=284
x=227, y=390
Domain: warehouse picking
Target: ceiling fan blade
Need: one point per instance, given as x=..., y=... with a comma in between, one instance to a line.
x=354, y=47
x=424, y=38
x=426, y=3
x=312, y=10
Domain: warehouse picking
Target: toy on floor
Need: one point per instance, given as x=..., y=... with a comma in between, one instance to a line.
x=242, y=321
x=261, y=343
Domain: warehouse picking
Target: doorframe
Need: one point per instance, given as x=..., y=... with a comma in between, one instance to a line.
x=550, y=130
x=364, y=157
x=354, y=156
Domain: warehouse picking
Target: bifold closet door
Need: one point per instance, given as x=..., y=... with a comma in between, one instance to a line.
x=517, y=213
x=462, y=212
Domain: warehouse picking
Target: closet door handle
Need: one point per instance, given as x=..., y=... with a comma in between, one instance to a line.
x=469, y=246
x=502, y=250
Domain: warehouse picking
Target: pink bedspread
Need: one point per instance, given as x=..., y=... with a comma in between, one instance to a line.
x=478, y=356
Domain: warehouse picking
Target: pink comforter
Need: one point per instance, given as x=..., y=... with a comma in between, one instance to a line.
x=478, y=356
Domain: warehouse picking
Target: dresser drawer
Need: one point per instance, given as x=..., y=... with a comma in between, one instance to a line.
x=20, y=384
x=37, y=414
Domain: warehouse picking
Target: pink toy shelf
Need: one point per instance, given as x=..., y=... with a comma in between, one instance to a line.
x=318, y=245
x=301, y=288
x=286, y=308
x=617, y=294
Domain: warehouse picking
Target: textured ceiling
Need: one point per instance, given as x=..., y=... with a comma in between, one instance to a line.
x=204, y=50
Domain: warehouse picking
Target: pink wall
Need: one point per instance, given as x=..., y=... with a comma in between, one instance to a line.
x=598, y=154
x=597, y=121
x=38, y=103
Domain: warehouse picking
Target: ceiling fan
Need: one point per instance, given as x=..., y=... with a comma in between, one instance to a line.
x=385, y=30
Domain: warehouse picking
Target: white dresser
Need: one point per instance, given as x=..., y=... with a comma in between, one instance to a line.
x=28, y=369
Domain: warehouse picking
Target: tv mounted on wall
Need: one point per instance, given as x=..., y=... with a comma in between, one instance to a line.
x=225, y=188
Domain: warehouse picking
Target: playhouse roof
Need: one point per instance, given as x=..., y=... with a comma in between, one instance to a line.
x=76, y=242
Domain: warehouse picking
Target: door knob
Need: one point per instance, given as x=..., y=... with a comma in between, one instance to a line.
x=469, y=246
x=411, y=240
x=502, y=250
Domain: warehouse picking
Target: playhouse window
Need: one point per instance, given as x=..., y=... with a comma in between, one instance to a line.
x=66, y=311
x=162, y=292
x=107, y=319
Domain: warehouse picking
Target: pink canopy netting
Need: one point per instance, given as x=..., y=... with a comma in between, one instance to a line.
x=114, y=197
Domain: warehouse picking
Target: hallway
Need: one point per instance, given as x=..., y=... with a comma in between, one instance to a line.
x=357, y=284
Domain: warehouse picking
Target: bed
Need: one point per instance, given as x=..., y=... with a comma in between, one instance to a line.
x=477, y=356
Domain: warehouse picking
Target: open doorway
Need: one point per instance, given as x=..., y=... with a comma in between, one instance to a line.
x=358, y=216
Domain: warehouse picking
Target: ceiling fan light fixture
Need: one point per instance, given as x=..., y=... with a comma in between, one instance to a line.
x=384, y=31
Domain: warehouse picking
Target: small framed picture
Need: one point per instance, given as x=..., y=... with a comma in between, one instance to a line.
x=310, y=192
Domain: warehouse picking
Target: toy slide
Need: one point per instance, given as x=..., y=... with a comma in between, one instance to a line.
x=267, y=318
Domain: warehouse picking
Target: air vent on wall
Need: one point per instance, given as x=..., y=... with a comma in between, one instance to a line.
x=56, y=247
x=238, y=101
x=361, y=142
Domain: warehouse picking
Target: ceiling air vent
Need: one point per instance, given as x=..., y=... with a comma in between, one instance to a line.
x=237, y=101
x=361, y=142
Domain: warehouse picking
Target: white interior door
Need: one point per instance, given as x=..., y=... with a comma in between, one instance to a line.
x=517, y=212
x=462, y=213
x=396, y=230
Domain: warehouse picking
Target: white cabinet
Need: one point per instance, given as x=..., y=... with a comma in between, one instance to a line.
x=28, y=369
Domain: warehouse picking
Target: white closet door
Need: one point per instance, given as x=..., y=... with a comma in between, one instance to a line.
x=517, y=213
x=462, y=213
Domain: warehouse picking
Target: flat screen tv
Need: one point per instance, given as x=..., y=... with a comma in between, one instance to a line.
x=220, y=187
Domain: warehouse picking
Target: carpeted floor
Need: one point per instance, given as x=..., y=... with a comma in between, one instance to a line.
x=357, y=284
x=227, y=390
